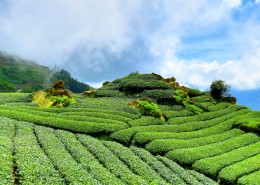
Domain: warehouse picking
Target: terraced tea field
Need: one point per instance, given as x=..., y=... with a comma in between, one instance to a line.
x=103, y=141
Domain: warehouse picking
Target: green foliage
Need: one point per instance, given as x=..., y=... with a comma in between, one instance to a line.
x=190, y=155
x=134, y=163
x=212, y=165
x=249, y=124
x=231, y=173
x=161, y=146
x=157, y=165
x=112, y=163
x=147, y=120
x=7, y=129
x=161, y=96
x=27, y=76
x=6, y=86
x=56, y=96
x=179, y=113
x=194, y=92
x=228, y=120
x=219, y=88
x=71, y=83
x=31, y=160
x=86, y=159
x=181, y=97
x=251, y=179
x=177, y=169
x=61, y=158
x=149, y=109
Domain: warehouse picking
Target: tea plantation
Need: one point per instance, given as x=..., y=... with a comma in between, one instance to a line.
x=103, y=140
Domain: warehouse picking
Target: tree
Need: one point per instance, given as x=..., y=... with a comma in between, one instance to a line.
x=219, y=88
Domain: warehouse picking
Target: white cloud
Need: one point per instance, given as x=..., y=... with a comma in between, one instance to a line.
x=47, y=30
x=242, y=74
x=75, y=33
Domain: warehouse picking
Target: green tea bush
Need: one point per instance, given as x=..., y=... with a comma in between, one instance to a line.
x=171, y=107
x=146, y=120
x=61, y=158
x=139, y=85
x=161, y=146
x=108, y=93
x=157, y=165
x=145, y=137
x=31, y=160
x=7, y=129
x=77, y=126
x=112, y=163
x=219, y=106
x=86, y=159
x=15, y=97
x=191, y=155
x=202, y=178
x=203, y=98
x=194, y=92
x=178, y=170
x=127, y=134
x=207, y=116
x=231, y=173
x=147, y=108
x=174, y=114
x=211, y=166
x=159, y=95
x=135, y=164
x=251, y=179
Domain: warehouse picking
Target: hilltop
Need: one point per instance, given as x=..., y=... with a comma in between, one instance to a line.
x=17, y=74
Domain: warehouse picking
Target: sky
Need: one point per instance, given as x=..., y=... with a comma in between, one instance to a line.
x=196, y=41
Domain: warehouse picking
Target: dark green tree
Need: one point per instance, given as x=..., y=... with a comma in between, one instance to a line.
x=219, y=88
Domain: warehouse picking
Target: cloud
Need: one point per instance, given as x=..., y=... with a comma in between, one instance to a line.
x=196, y=41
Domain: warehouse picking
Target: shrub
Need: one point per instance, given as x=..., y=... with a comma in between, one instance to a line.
x=166, y=172
x=110, y=160
x=134, y=162
x=86, y=159
x=191, y=155
x=161, y=146
x=219, y=88
x=231, y=173
x=251, y=179
x=61, y=158
x=147, y=108
x=194, y=92
x=31, y=160
x=211, y=166
x=144, y=121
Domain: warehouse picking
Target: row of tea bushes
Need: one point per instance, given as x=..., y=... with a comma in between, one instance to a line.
x=33, y=166
x=86, y=159
x=190, y=177
x=62, y=123
x=206, y=116
x=230, y=174
x=211, y=166
x=161, y=146
x=191, y=155
x=7, y=129
x=126, y=135
x=134, y=163
x=146, y=137
x=72, y=172
x=111, y=161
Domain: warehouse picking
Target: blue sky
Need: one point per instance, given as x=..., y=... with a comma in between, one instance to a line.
x=196, y=41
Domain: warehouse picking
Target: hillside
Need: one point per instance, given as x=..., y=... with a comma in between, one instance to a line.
x=114, y=136
x=17, y=74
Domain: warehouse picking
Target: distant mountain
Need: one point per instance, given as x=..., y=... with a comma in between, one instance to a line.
x=17, y=74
